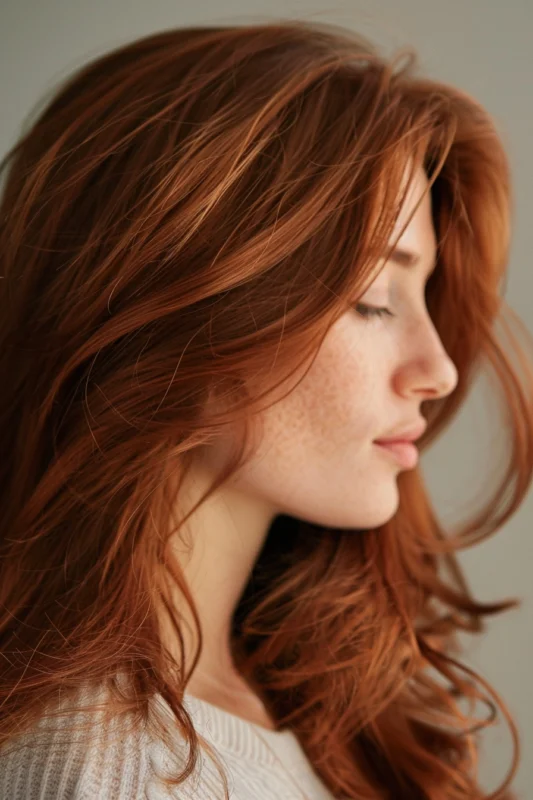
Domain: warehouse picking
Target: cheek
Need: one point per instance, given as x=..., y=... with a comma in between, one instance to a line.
x=340, y=395
x=334, y=407
x=327, y=419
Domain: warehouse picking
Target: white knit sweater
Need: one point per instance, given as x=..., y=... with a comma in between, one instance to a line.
x=124, y=766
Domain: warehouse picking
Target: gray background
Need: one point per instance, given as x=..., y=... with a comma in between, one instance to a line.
x=483, y=46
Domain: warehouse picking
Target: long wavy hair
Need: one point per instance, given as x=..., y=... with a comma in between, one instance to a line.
x=185, y=219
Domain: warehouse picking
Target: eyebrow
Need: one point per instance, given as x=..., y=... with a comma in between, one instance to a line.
x=407, y=259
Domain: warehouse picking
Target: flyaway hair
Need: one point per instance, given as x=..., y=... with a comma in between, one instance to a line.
x=184, y=220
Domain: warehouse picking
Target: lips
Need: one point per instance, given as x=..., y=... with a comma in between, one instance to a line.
x=409, y=432
x=403, y=451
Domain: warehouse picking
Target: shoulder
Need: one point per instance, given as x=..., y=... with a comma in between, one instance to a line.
x=100, y=762
x=59, y=765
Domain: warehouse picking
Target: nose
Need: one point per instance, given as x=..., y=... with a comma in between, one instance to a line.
x=428, y=371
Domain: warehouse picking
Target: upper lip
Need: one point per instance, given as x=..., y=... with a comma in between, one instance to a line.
x=408, y=434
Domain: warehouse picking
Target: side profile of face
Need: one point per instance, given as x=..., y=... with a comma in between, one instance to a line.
x=317, y=459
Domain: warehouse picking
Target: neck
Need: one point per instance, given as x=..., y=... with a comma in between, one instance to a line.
x=216, y=550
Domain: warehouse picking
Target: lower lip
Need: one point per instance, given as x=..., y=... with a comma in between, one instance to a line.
x=405, y=452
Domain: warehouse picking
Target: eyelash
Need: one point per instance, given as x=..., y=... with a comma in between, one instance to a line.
x=367, y=312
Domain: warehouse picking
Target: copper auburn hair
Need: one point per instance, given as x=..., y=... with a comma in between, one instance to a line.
x=183, y=220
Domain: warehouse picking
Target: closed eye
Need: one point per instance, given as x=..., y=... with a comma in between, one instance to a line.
x=368, y=312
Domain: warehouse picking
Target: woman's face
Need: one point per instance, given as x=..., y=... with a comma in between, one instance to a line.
x=317, y=459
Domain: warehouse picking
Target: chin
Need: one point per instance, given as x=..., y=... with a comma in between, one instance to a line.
x=380, y=512
x=376, y=512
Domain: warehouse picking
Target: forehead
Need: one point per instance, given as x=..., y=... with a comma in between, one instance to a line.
x=418, y=238
x=418, y=194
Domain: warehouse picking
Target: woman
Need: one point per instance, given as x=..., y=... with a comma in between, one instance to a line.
x=236, y=261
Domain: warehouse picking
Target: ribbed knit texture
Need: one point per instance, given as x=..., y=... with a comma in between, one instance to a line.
x=124, y=764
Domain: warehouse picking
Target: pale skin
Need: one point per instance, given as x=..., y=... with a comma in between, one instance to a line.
x=370, y=377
